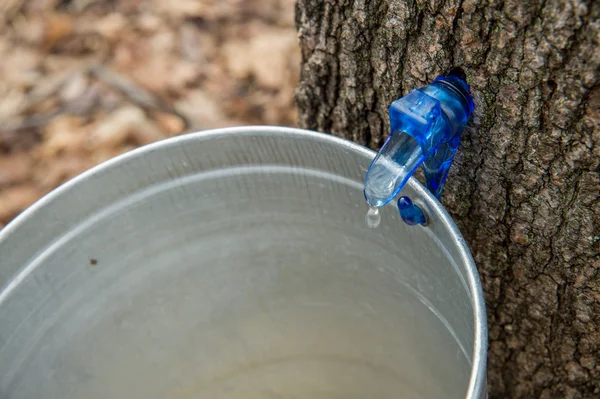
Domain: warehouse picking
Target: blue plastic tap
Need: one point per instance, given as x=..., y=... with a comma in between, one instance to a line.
x=426, y=127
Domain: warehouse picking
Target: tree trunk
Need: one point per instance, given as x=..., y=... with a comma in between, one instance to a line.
x=525, y=185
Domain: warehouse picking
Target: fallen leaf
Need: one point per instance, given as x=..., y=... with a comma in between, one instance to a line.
x=182, y=8
x=10, y=7
x=287, y=13
x=64, y=64
x=30, y=28
x=56, y=172
x=5, y=46
x=46, y=106
x=265, y=57
x=47, y=87
x=80, y=5
x=128, y=122
x=14, y=200
x=62, y=134
x=22, y=140
x=148, y=23
x=15, y=168
x=238, y=55
x=160, y=74
x=111, y=26
x=57, y=27
x=169, y=123
x=270, y=53
x=182, y=74
x=114, y=129
x=74, y=87
x=201, y=111
x=20, y=66
x=42, y=5
x=12, y=103
x=189, y=39
x=146, y=134
x=162, y=43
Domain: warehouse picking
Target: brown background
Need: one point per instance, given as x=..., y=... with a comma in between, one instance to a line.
x=84, y=80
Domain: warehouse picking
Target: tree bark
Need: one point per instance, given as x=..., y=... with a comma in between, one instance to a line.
x=525, y=185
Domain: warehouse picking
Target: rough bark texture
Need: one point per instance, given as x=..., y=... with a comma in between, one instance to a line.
x=525, y=186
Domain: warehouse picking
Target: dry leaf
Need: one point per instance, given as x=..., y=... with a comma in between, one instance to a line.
x=58, y=26
x=74, y=87
x=129, y=55
x=169, y=123
x=115, y=128
x=190, y=42
x=146, y=134
x=162, y=43
x=270, y=54
x=9, y=7
x=148, y=23
x=20, y=66
x=165, y=73
x=46, y=106
x=266, y=57
x=12, y=104
x=125, y=123
x=239, y=58
x=111, y=26
x=15, y=168
x=80, y=5
x=287, y=13
x=61, y=170
x=5, y=46
x=42, y=5
x=30, y=28
x=182, y=74
x=61, y=135
x=200, y=110
x=47, y=87
x=64, y=64
x=181, y=8
x=15, y=199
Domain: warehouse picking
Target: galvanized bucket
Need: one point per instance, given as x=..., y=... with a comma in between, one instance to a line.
x=236, y=263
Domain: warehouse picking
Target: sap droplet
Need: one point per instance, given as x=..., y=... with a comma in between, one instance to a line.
x=373, y=217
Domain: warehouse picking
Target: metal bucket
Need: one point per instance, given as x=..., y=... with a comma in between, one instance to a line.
x=236, y=263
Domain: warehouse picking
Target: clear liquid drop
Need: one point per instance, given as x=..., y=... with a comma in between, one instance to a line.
x=373, y=217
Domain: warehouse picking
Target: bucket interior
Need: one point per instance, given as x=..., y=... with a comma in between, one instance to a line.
x=231, y=266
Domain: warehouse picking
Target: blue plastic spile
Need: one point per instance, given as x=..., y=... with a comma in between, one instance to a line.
x=426, y=127
x=411, y=213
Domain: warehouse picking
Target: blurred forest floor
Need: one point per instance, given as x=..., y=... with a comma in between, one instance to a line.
x=82, y=81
